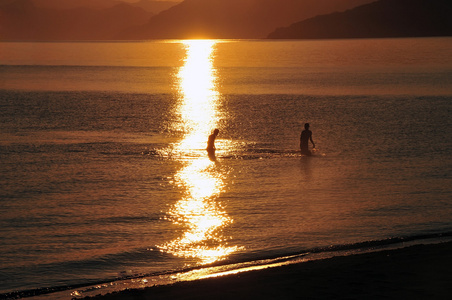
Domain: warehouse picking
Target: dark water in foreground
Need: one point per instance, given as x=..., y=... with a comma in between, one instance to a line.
x=104, y=173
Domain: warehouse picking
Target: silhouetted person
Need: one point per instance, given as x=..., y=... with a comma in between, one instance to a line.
x=305, y=137
x=211, y=143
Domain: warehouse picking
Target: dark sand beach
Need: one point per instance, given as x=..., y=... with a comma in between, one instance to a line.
x=416, y=272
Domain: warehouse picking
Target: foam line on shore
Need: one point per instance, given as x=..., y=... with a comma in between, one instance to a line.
x=203, y=273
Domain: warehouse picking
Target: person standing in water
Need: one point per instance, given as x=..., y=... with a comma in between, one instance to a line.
x=305, y=137
x=211, y=141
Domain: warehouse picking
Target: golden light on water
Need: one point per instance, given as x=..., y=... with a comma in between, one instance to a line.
x=198, y=94
x=199, y=212
x=200, y=180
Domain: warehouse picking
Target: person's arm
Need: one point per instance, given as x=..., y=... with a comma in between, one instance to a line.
x=313, y=145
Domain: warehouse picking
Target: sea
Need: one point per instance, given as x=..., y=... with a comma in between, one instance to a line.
x=106, y=184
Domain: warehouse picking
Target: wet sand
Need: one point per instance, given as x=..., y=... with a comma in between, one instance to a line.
x=417, y=272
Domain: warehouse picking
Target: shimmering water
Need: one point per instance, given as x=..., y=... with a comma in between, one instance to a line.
x=104, y=172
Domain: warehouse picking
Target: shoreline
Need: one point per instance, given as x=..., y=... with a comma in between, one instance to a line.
x=415, y=272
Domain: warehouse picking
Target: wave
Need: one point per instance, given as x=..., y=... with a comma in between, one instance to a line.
x=149, y=144
x=161, y=149
x=239, y=153
x=125, y=280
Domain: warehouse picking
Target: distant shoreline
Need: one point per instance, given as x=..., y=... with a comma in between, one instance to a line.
x=225, y=39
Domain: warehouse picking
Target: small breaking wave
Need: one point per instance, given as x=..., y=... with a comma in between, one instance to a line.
x=127, y=280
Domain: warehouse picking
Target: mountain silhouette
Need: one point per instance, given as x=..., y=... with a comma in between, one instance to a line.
x=154, y=7
x=148, y=5
x=114, y=19
x=232, y=18
x=384, y=18
x=69, y=4
x=24, y=20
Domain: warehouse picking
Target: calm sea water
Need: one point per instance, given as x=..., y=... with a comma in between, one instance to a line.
x=104, y=172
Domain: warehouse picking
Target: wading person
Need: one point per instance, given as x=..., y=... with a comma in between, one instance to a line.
x=211, y=143
x=305, y=137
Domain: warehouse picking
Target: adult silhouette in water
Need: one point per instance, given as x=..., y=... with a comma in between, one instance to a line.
x=211, y=144
x=305, y=137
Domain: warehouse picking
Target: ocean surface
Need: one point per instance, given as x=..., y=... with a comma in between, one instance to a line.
x=105, y=176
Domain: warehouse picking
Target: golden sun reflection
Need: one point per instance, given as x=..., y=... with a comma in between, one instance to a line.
x=201, y=216
x=197, y=87
x=199, y=212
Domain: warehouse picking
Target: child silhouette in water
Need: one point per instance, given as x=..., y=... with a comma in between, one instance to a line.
x=211, y=141
x=305, y=137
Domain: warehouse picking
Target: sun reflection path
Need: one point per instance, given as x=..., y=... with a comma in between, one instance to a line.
x=199, y=212
x=199, y=95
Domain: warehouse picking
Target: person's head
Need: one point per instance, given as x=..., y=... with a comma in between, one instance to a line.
x=306, y=126
x=216, y=131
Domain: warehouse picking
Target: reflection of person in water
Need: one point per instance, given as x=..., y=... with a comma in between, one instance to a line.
x=211, y=143
x=305, y=137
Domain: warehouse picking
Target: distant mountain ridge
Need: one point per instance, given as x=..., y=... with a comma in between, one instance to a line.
x=114, y=19
x=155, y=6
x=232, y=18
x=73, y=19
x=384, y=18
x=23, y=20
x=148, y=5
